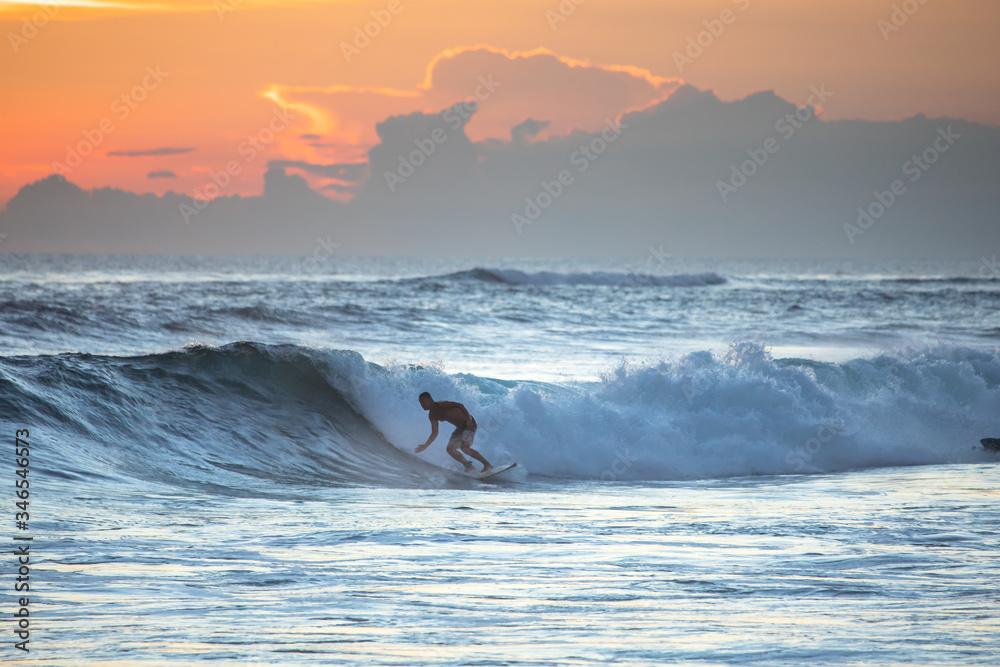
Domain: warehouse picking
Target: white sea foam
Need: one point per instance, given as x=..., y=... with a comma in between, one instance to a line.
x=708, y=415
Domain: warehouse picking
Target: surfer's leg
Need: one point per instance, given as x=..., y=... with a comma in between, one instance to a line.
x=467, y=449
x=452, y=450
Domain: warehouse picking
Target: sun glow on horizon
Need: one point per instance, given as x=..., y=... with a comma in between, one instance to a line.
x=81, y=10
x=232, y=62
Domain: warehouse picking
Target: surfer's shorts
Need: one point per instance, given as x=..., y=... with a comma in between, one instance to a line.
x=464, y=434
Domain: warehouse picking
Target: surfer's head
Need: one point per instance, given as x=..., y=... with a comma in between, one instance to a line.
x=425, y=400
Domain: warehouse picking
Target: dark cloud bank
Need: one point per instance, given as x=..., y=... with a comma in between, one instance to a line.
x=753, y=178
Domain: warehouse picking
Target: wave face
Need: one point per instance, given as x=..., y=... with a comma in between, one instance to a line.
x=244, y=418
x=249, y=418
x=607, y=278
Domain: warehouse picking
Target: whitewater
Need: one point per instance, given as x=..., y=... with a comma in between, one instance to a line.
x=718, y=462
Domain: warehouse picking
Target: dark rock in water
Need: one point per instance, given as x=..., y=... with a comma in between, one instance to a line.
x=991, y=444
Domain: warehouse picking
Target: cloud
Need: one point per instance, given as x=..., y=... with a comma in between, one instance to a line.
x=151, y=151
x=344, y=172
x=790, y=182
x=56, y=214
x=338, y=188
x=506, y=87
x=655, y=180
x=529, y=128
x=161, y=174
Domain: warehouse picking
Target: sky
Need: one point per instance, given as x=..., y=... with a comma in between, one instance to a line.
x=203, y=97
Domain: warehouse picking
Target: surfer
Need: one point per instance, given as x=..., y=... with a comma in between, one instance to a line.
x=465, y=430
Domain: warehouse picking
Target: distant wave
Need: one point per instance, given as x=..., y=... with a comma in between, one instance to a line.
x=956, y=280
x=903, y=280
x=516, y=277
x=255, y=418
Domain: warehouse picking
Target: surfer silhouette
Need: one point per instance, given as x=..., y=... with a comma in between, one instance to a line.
x=465, y=430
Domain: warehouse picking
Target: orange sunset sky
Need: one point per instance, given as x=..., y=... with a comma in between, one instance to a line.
x=170, y=92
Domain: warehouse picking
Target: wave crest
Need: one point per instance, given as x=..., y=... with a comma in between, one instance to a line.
x=250, y=417
x=604, y=278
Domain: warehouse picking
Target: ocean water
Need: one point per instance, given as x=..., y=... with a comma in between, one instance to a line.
x=718, y=462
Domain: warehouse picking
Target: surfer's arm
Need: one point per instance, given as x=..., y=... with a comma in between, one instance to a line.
x=434, y=434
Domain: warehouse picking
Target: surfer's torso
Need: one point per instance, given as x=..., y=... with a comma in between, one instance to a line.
x=451, y=412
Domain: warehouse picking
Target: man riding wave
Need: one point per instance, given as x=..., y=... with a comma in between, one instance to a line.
x=465, y=430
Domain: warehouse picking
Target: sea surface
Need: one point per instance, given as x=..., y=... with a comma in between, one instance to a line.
x=719, y=462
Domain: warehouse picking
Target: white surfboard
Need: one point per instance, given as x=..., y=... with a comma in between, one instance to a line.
x=495, y=470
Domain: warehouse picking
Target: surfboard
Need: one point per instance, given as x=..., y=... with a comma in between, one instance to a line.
x=495, y=470
x=989, y=444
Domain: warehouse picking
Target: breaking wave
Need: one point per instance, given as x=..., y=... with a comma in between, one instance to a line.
x=611, y=279
x=255, y=418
